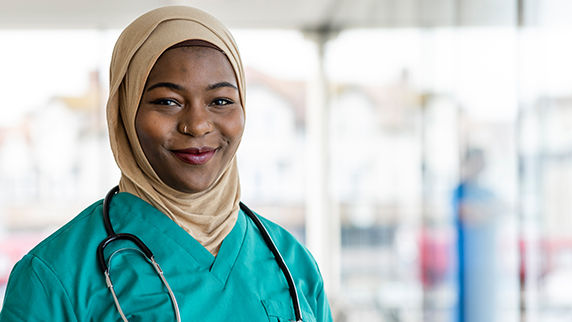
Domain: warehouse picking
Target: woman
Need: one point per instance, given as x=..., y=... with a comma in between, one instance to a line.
x=176, y=117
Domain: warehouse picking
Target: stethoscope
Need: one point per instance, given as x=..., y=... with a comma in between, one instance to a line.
x=143, y=249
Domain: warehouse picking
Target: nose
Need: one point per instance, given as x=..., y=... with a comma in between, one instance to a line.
x=195, y=121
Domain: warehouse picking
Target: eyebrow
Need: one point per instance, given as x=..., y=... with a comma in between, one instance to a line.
x=220, y=85
x=167, y=85
x=181, y=88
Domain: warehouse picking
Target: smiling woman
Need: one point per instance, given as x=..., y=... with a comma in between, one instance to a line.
x=176, y=117
x=190, y=127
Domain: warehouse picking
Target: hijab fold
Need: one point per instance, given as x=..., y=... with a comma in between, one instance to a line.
x=209, y=215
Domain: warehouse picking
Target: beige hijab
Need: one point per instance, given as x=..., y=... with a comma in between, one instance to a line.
x=209, y=215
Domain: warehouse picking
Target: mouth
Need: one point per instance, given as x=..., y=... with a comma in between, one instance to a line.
x=195, y=156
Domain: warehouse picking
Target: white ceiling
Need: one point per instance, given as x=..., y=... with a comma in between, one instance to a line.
x=292, y=14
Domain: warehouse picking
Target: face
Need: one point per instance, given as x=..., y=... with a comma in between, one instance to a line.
x=190, y=119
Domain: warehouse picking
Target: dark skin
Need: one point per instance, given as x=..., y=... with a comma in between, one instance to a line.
x=190, y=103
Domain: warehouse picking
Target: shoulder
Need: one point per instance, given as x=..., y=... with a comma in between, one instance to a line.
x=86, y=230
x=75, y=229
x=41, y=280
x=298, y=258
x=69, y=250
x=283, y=239
x=62, y=269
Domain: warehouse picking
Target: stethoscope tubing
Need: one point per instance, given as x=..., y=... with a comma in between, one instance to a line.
x=112, y=236
x=279, y=260
x=142, y=248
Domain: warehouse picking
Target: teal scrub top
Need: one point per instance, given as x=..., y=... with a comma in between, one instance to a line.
x=60, y=280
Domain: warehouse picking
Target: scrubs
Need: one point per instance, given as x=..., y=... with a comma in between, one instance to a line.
x=60, y=280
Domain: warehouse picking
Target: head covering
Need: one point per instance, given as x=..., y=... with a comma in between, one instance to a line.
x=209, y=215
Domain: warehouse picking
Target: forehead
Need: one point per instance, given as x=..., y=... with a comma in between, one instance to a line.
x=197, y=61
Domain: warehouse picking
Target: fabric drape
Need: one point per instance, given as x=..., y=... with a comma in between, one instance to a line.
x=209, y=215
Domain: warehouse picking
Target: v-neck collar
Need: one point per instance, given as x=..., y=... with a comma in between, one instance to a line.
x=154, y=227
x=229, y=250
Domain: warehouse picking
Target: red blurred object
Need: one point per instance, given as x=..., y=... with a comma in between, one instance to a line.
x=436, y=256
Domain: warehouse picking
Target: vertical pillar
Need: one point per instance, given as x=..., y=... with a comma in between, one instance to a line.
x=530, y=164
x=322, y=215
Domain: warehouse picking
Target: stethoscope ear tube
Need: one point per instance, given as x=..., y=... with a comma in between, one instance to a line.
x=112, y=236
x=106, y=203
x=279, y=260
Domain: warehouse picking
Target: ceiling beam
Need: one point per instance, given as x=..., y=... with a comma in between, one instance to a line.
x=289, y=14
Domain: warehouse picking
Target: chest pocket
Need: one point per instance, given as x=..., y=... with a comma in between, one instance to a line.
x=284, y=312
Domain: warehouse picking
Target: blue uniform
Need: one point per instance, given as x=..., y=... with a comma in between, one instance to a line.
x=60, y=280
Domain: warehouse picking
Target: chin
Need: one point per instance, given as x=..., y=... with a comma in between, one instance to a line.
x=189, y=182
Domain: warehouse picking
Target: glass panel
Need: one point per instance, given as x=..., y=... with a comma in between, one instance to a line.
x=424, y=164
x=545, y=140
x=450, y=155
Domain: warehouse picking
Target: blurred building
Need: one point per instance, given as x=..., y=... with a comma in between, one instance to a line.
x=405, y=90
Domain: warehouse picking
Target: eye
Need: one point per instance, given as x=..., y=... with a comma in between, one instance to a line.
x=221, y=102
x=166, y=102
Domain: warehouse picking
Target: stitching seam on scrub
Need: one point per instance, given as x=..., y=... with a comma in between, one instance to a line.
x=56, y=278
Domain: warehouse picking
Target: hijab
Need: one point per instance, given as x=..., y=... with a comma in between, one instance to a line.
x=208, y=216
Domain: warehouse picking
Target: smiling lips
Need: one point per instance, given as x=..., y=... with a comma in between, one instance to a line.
x=196, y=156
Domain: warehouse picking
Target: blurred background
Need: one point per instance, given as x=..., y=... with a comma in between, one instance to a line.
x=422, y=149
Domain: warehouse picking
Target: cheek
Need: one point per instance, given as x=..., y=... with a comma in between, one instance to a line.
x=234, y=127
x=143, y=131
x=151, y=132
